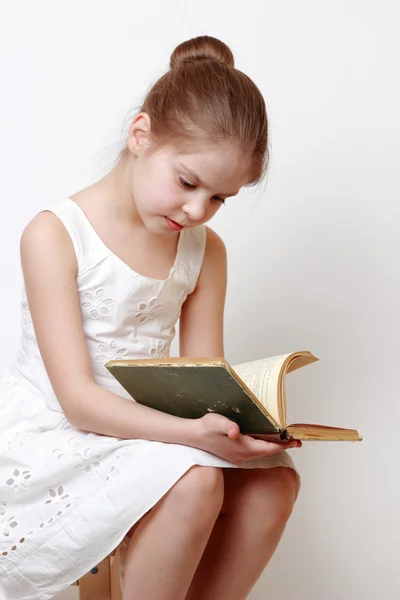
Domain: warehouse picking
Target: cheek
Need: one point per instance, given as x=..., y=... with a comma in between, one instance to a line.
x=162, y=194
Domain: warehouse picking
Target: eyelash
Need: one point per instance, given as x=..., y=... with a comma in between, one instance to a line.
x=189, y=186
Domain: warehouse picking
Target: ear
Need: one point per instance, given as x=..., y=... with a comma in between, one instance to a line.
x=139, y=130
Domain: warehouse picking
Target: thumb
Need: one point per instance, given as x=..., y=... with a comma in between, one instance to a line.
x=233, y=430
x=224, y=426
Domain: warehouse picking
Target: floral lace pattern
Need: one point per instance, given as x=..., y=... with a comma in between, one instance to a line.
x=147, y=310
x=57, y=500
x=56, y=495
x=112, y=351
x=158, y=350
x=97, y=303
x=83, y=458
x=6, y=523
x=19, y=480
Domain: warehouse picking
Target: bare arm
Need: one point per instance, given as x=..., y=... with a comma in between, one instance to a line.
x=50, y=268
x=201, y=324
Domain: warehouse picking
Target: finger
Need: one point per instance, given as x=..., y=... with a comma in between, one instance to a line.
x=282, y=444
x=266, y=448
x=233, y=431
x=225, y=426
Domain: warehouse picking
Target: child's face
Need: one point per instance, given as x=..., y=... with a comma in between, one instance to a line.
x=185, y=189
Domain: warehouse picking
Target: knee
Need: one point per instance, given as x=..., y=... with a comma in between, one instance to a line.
x=199, y=492
x=286, y=484
x=275, y=495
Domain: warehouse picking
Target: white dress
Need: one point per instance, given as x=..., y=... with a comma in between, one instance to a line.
x=68, y=497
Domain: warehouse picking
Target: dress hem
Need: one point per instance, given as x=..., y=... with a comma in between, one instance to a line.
x=63, y=547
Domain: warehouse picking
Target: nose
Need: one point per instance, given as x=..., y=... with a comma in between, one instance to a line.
x=195, y=207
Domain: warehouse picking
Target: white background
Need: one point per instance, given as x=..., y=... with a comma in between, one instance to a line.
x=313, y=255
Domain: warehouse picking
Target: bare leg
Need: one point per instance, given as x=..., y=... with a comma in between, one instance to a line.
x=258, y=503
x=169, y=541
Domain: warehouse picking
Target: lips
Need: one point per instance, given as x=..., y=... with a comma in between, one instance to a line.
x=173, y=224
x=176, y=222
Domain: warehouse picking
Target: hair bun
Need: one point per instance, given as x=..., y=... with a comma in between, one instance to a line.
x=202, y=48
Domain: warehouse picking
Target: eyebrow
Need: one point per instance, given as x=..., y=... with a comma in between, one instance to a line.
x=198, y=180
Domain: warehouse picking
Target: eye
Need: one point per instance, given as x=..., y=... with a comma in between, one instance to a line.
x=189, y=186
x=185, y=184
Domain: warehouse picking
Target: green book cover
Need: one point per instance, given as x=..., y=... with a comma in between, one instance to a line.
x=193, y=390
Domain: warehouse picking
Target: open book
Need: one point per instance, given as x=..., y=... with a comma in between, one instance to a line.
x=251, y=394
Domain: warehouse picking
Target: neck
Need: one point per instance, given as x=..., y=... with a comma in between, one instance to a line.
x=116, y=190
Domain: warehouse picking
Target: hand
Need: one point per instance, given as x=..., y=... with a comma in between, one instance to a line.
x=221, y=436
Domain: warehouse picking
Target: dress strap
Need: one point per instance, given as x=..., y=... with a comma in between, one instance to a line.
x=191, y=253
x=89, y=249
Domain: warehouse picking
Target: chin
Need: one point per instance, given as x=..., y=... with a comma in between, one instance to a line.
x=158, y=226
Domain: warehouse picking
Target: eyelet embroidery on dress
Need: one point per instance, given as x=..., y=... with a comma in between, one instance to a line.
x=83, y=459
x=18, y=441
x=147, y=311
x=13, y=548
x=6, y=522
x=158, y=350
x=97, y=304
x=19, y=481
x=110, y=352
x=59, y=512
x=87, y=461
x=56, y=495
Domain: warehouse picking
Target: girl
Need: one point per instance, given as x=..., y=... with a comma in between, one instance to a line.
x=107, y=273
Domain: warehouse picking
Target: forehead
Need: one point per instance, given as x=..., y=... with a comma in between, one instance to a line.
x=219, y=165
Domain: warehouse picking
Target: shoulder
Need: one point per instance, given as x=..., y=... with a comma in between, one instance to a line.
x=215, y=247
x=44, y=237
x=215, y=261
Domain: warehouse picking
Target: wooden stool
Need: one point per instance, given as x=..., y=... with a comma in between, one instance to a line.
x=103, y=581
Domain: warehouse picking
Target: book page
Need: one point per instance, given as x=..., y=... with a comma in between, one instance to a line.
x=322, y=433
x=262, y=376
